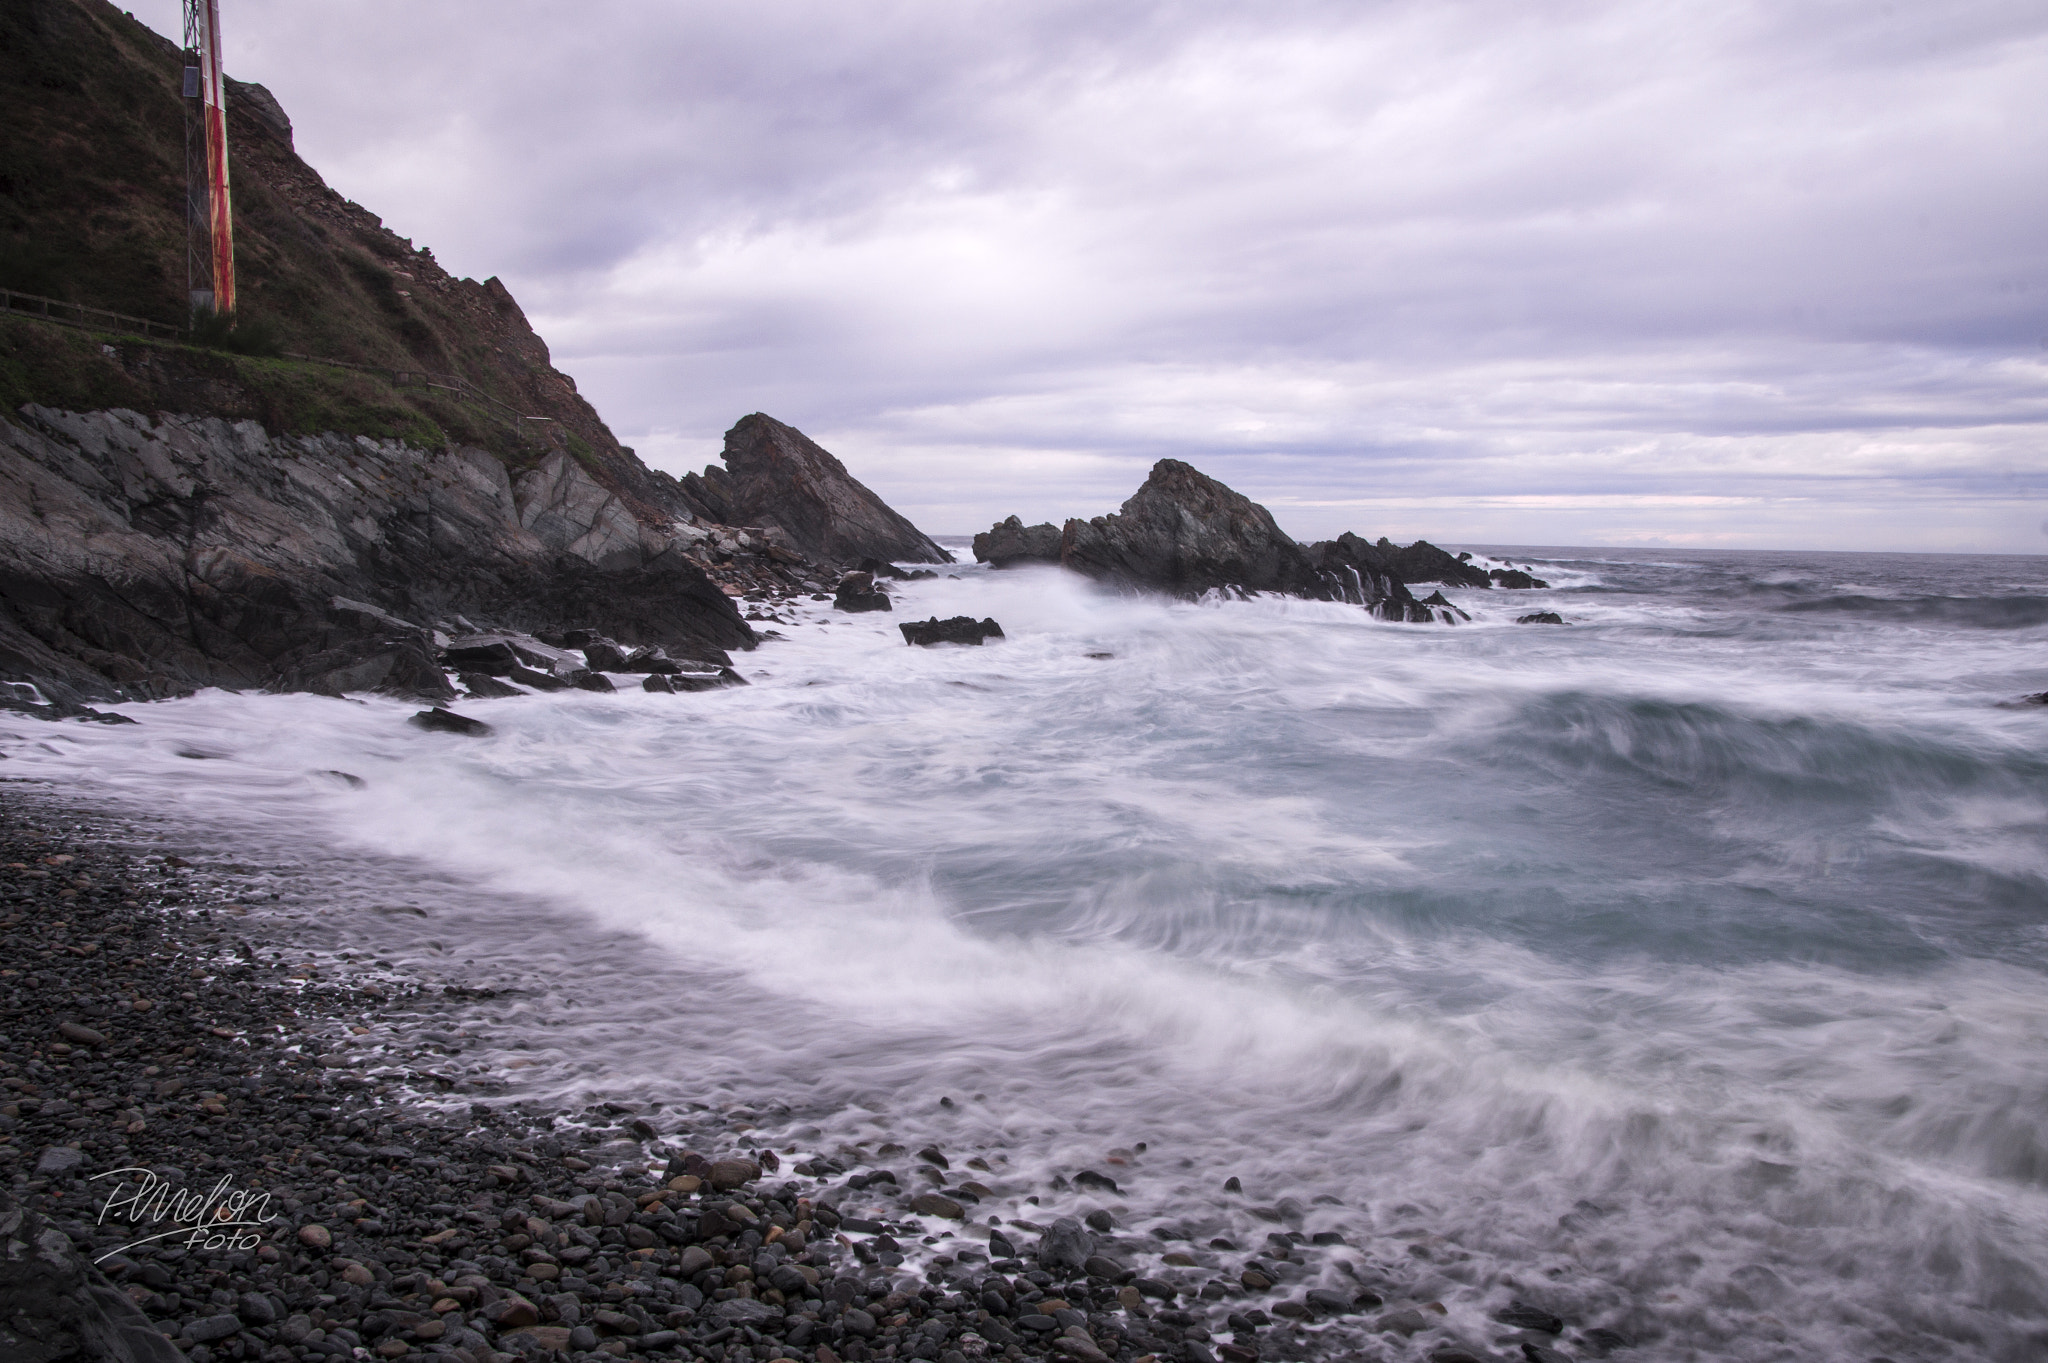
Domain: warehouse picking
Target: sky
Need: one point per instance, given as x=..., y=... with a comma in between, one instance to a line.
x=1698, y=273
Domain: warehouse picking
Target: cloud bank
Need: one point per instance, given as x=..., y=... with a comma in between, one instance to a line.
x=1649, y=271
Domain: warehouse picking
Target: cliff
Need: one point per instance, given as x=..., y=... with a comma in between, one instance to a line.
x=379, y=452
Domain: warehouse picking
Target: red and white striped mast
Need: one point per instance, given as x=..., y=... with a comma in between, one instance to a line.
x=210, y=236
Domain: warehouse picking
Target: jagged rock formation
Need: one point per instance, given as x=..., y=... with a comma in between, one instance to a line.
x=142, y=558
x=777, y=477
x=958, y=629
x=1010, y=542
x=1184, y=533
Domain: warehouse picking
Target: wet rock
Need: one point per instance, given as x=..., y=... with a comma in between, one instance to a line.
x=1332, y=1303
x=1446, y=611
x=937, y=1204
x=603, y=655
x=483, y=686
x=84, y=1036
x=539, y=681
x=1538, y=1353
x=1540, y=618
x=491, y=656
x=960, y=629
x=856, y=593
x=440, y=721
x=728, y=1174
x=1010, y=542
x=658, y=684
x=1407, y=1321
x=1100, y=1221
x=1601, y=1341
x=1065, y=1245
x=1088, y=1178
x=1515, y=579
x=1522, y=1316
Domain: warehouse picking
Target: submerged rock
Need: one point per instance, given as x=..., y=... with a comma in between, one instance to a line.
x=857, y=592
x=960, y=629
x=438, y=720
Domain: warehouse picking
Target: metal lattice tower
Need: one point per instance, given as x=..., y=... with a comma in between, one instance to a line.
x=209, y=222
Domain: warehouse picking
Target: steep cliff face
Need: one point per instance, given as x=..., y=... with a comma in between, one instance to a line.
x=778, y=478
x=142, y=557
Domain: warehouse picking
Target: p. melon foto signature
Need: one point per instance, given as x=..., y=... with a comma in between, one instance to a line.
x=224, y=1217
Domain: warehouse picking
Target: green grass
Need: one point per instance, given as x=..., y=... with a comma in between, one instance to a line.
x=64, y=367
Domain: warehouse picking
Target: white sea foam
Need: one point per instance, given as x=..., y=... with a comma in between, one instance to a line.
x=1680, y=968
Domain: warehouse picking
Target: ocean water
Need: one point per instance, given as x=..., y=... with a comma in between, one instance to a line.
x=1683, y=969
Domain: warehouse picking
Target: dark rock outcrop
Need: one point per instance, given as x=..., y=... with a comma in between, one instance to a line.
x=144, y=557
x=960, y=629
x=857, y=592
x=1009, y=542
x=1540, y=618
x=1185, y=533
x=1514, y=578
x=1424, y=562
x=440, y=721
x=777, y=477
x=55, y=1307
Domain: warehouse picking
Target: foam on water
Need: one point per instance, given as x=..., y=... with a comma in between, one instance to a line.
x=1681, y=968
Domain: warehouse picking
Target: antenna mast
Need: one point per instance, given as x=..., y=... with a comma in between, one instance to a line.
x=209, y=225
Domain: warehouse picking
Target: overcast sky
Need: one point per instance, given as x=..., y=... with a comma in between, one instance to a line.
x=1706, y=273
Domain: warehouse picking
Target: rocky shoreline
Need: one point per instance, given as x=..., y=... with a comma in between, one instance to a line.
x=150, y=1021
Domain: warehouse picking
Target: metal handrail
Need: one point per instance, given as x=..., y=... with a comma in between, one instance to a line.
x=9, y=297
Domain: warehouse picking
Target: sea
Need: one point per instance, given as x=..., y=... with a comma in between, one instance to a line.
x=1681, y=969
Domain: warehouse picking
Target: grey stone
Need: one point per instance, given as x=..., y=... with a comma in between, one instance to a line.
x=59, y=1159
x=1065, y=1245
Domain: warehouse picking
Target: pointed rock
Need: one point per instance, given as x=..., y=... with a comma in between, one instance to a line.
x=778, y=477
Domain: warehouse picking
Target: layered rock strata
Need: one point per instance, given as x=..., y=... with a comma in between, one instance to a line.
x=143, y=557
